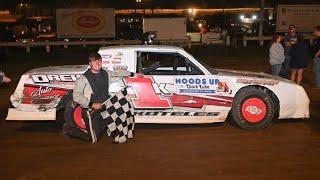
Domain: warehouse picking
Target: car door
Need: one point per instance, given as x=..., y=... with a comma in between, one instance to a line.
x=167, y=81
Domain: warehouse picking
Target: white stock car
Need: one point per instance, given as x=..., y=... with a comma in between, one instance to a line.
x=169, y=86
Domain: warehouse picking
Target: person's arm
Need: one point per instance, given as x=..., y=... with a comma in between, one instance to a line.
x=78, y=92
x=116, y=75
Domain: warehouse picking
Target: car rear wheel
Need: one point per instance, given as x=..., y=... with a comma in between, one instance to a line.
x=253, y=109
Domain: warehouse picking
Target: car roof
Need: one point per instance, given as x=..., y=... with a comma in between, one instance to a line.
x=142, y=47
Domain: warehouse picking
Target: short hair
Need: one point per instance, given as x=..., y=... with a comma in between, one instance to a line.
x=317, y=28
x=94, y=56
x=291, y=26
x=275, y=37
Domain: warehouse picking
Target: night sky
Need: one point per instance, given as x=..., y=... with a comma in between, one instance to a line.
x=119, y=4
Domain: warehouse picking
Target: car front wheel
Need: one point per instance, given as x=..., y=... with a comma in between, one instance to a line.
x=253, y=109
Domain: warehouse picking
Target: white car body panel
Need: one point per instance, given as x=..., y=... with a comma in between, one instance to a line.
x=176, y=98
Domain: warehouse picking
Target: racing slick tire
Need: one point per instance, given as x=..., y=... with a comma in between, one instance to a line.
x=73, y=115
x=253, y=109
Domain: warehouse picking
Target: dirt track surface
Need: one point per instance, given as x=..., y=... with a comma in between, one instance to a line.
x=288, y=149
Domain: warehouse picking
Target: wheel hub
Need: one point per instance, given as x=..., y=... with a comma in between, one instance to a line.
x=254, y=110
x=77, y=116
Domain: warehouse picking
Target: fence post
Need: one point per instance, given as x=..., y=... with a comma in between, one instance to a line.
x=47, y=48
x=311, y=41
x=228, y=40
x=261, y=42
x=28, y=49
x=244, y=41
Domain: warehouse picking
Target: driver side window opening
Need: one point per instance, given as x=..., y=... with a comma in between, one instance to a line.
x=163, y=63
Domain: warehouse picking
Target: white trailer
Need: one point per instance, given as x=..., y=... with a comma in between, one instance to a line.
x=167, y=28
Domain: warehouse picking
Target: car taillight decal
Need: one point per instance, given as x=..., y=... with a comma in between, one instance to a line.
x=146, y=96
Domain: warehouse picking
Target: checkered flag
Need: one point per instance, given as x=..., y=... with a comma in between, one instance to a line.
x=115, y=118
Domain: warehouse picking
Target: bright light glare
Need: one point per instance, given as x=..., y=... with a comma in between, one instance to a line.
x=254, y=17
x=242, y=17
x=192, y=11
x=200, y=25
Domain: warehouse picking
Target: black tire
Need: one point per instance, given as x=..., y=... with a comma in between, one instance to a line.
x=252, y=109
x=69, y=114
x=64, y=101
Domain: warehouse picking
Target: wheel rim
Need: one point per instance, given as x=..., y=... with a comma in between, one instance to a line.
x=254, y=110
x=77, y=117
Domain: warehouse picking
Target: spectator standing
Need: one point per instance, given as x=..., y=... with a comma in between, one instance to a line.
x=289, y=40
x=316, y=57
x=276, y=55
x=298, y=62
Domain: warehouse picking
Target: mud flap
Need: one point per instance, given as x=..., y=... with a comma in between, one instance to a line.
x=18, y=115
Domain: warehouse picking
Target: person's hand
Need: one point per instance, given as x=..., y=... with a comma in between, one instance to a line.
x=6, y=79
x=96, y=106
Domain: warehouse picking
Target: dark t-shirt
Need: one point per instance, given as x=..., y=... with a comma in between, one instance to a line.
x=99, y=85
x=289, y=38
x=299, y=55
x=100, y=94
x=316, y=46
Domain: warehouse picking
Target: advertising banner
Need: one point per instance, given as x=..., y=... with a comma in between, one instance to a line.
x=85, y=23
x=304, y=17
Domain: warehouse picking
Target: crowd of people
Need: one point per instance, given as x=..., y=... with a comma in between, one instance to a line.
x=289, y=55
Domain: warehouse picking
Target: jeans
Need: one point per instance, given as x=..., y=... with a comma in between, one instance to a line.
x=275, y=69
x=316, y=70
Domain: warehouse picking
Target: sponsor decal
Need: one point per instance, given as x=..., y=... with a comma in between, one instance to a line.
x=106, y=56
x=189, y=85
x=33, y=94
x=120, y=67
x=145, y=93
x=253, y=110
x=223, y=87
x=118, y=57
x=157, y=113
x=258, y=81
x=46, y=78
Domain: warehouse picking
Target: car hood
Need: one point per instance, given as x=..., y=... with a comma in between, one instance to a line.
x=69, y=69
x=249, y=74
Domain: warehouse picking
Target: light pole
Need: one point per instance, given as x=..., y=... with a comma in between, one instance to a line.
x=261, y=18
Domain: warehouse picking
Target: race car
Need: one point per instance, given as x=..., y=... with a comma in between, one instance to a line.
x=168, y=86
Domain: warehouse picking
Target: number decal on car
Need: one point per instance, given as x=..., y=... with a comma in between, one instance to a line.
x=145, y=94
